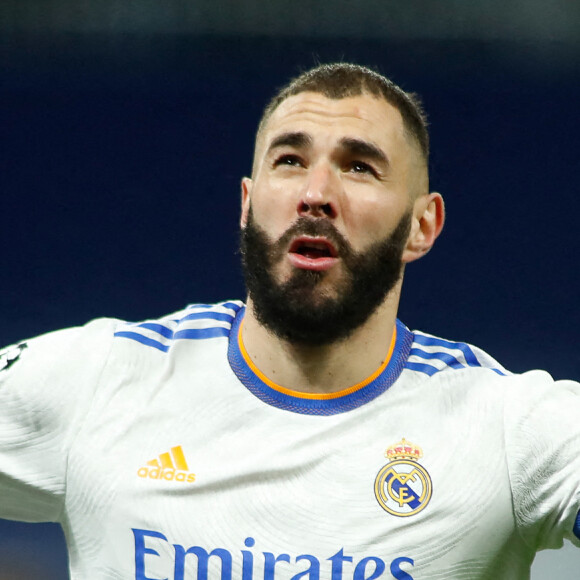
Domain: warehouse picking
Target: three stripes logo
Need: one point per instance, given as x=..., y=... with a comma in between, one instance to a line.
x=170, y=466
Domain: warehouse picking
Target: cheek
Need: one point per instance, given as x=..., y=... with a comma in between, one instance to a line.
x=368, y=223
x=273, y=212
x=269, y=219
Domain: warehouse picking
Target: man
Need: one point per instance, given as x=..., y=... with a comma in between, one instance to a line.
x=307, y=434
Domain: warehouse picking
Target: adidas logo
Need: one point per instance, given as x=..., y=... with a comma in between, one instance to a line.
x=169, y=466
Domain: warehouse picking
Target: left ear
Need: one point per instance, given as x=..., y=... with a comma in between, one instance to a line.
x=246, y=191
x=427, y=223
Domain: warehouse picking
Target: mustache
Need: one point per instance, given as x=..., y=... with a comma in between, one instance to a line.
x=316, y=228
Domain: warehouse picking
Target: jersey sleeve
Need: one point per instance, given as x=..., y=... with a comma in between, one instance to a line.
x=46, y=388
x=543, y=451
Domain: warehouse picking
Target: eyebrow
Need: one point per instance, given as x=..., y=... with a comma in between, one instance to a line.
x=364, y=149
x=351, y=145
x=297, y=139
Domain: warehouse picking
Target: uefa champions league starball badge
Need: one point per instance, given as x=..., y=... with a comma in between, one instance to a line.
x=10, y=355
x=403, y=487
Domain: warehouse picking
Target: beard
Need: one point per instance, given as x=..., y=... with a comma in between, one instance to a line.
x=299, y=310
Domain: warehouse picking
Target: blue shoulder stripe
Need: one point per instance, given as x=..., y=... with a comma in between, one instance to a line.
x=576, y=529
x=188, y=333
x=453, y=355
x=223, y=316
x=185, y=326
x=143, y=340
x=422, y=368
x=158, y=328
x=170, y=334
x=470, y=357
x=201, y=333
x=447, y=358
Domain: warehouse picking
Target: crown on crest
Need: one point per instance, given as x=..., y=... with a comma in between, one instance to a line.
x=404, y=450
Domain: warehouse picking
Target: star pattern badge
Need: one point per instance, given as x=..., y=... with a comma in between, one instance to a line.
x=10, y=355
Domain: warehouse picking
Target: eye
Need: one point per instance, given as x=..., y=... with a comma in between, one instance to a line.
x=288, y=160
x=362, y=167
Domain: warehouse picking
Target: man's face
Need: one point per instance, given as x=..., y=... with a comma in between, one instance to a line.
x=327, y=213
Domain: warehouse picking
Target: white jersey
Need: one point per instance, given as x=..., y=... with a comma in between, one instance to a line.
x=164, y=454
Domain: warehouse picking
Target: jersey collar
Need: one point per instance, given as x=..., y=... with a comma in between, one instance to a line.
x=318, y=404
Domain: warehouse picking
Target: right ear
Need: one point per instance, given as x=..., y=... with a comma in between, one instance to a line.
x=247, y=184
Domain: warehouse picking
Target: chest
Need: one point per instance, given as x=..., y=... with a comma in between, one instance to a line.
x=197, y=472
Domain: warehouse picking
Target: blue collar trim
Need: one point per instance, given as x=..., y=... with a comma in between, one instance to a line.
x=342, y=404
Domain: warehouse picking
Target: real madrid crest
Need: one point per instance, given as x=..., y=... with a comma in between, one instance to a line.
x=403, y=487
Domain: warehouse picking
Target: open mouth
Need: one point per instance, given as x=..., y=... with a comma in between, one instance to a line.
x=316, y=254
x=313, y=248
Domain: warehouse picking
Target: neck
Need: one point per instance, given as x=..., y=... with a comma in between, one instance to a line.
x=322, y=369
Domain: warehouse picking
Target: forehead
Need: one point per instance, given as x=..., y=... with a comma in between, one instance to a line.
x=362, y=116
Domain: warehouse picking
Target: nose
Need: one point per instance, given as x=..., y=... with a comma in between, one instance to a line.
x=319, y=198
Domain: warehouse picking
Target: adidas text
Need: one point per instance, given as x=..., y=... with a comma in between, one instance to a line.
x=166, y=474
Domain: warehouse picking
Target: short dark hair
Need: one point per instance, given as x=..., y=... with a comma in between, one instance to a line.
x=341, y=80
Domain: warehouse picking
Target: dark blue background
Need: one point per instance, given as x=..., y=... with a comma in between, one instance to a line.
x=119, y=183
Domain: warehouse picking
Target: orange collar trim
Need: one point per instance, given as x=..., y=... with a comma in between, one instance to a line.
x=316, y=396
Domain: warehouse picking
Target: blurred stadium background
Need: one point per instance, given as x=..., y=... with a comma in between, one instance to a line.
x=126, y=126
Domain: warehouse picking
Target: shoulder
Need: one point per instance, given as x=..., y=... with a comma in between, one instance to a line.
x=78, y=344
x=453, y=363
x=88, y=346
x=66, y=363
x=54, y=374
x=431, y=355
x=196, y=322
